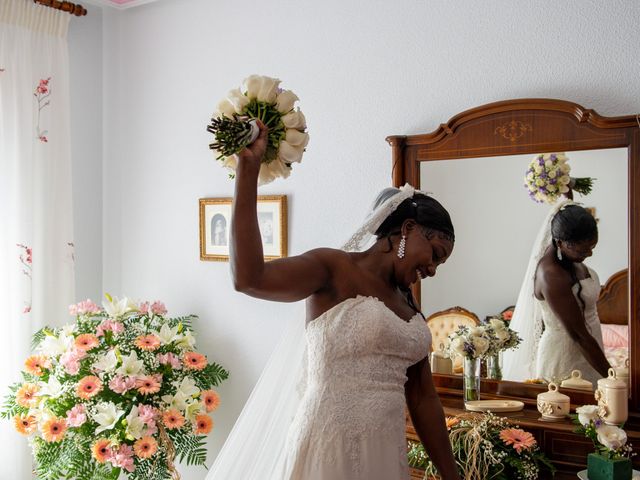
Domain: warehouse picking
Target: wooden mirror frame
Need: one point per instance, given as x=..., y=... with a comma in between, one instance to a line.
x=530, y=126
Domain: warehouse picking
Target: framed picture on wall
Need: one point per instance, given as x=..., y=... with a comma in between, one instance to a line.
x=215, y=223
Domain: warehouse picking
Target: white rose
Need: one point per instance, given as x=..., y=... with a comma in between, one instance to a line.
x=236, y=98
x=551, y=188
x=226, y=108
x=611, y=436
x=540, y=182
x=563, y=189
x=587, y=413
x=266, y=174
x=289, y=153
x=295, y=120
x=502, y=335
x=480, y=344
x=264, y=89
x=296, y=138
x=285, y=101
x=552, y=174
x=537, y=168
x=457, y=346
x=565, y=168
x=548, y=163
x=106, y=416
x=275, y=169
x=497, y=324
x=230, y=162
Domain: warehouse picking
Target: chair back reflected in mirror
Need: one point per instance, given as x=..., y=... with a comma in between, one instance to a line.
x=446, y=322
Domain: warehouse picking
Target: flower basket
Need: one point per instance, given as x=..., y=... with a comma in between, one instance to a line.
x=600, y=467
x=122, y=391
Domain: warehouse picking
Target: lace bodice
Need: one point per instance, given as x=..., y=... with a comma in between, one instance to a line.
x=353, y=405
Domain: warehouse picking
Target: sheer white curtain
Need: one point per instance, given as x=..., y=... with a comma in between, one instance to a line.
x=36, y=230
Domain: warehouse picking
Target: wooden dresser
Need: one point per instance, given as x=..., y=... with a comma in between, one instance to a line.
x=567, y=450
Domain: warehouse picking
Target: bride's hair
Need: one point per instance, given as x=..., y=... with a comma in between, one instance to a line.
x=425, y=210
x=574, y=224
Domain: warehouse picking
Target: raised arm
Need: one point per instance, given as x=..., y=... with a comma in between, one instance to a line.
x=556, y=287
x=428, y=419
x=286, y=280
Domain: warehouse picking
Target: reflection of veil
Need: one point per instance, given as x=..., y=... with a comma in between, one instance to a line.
x=255, y=448
x=520, y=364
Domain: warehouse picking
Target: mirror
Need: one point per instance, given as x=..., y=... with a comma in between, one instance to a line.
x=496, y=224
x=504, y=136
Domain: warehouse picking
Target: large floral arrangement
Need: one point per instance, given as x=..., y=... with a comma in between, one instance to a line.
x=123, y=390
x=233, y=126
x=609, y=441
x=486, y=447
x=547, y=178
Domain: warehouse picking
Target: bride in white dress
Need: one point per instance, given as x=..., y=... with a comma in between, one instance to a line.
x=556, y=309
x=367, y=343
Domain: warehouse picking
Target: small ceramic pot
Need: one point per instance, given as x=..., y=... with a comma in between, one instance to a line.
x=623, y=373
x=553, y=405
x=613, y=397
x=576, y=381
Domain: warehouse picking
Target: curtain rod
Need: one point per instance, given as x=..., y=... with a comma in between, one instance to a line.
x=74, y=9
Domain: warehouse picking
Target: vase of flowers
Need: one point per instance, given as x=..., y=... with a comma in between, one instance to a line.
x=122, y=390
x=234, y=126
x=487, y=447
x=502, y=338
x=612, y=457
x=547, y=178
x=472, y=343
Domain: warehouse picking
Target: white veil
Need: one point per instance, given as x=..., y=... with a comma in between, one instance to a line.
x=520, y=364
x=255, y=448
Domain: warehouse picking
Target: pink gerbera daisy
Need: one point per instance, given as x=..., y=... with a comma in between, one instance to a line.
x=210, y=399
x=53, y=429
x=520, y=439
x=36, y=363
x=86, y=342
x=88, y=387
x=147, y=385
x=203, y=424
x=194, y=361
x=148, y=342
x=145, y=447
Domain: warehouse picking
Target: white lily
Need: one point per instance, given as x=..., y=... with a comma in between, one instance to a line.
x=187, y=341
x=106, y=362
x=178, y=401
x=168, y=334
x=107, y=415
x=187, y=387
x=131, y=366
x=52, y=388
x=135, y=425
x=53, y=346
x=116, y=308
x=192, y=409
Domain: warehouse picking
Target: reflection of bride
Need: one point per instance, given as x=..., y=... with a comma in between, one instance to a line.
x=556, y=310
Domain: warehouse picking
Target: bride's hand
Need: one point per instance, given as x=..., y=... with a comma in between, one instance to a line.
x=253, y=154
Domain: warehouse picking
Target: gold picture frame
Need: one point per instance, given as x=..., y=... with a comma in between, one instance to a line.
x=215, y=222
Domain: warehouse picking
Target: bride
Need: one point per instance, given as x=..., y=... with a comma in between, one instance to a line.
x=556, y=310
x=366, y=346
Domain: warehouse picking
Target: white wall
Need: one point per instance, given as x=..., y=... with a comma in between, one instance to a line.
x=363, y=70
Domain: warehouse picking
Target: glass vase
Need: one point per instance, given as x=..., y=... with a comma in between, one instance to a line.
x=494, y=368
x=471, y=378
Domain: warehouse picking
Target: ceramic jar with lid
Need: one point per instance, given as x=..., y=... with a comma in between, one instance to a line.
x=553, y=405
x=623, y=373
x=612, y=397
x=440, y=362
x=576, y=381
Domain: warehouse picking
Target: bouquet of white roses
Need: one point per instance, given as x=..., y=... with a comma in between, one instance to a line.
x=470, y=342
x=234, y=126
x=121, y=390
x=547, y=178
x=608, y=440
x=503, y=337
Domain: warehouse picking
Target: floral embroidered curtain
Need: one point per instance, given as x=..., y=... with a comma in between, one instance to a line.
x=36, y=224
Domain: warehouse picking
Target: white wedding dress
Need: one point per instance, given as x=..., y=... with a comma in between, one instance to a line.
x=558, y=354
x=350, y=422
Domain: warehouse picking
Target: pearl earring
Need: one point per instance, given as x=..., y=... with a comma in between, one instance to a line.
x=401, y=246
x=559, y=253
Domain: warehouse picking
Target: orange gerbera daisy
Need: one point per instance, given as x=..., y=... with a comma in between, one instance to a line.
x=452, y=422
x=101, y=450
x=86, y=342
x=145, y=447
x=520, y=439
x=26, y=395
x=35, y=363
x=147, y=342
x=204, y=424
x=210, y=400
x=25, y=424
x=172, y=418
x=54, y=428
x=194, y=360
x=147, y=385
x=88, y=387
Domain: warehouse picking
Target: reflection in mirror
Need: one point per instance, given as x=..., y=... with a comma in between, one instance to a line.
x=496, y=224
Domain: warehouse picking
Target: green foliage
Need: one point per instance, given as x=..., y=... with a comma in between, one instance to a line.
x=190, y=447
x=187, y=321
x=39, y=336
x=10, y=408
x=212, y=374
x=151, y=469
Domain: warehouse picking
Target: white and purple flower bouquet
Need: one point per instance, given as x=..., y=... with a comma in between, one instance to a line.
x=503, y=337
x=610, y=441
x=234, y=126
x=547, y=178
x=122, y=390
x=471, y=342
